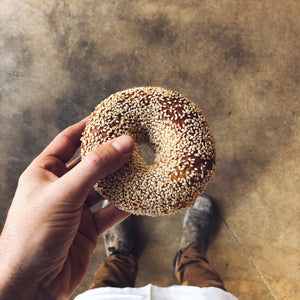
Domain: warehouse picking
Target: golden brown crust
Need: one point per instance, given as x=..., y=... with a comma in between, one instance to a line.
x=175, y=128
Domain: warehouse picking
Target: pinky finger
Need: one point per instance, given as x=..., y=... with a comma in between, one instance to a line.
x=108, y=217
x=73, y=163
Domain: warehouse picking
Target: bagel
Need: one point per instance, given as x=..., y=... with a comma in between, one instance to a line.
x=178, y=133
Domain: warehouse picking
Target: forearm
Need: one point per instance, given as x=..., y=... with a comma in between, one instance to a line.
x=14, y=284
x=15, y=287
x=11, y=288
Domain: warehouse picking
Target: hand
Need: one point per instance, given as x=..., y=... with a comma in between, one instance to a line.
x=50, y=231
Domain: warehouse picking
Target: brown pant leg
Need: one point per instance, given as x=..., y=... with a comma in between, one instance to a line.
x=117, y=270
x=192, y=269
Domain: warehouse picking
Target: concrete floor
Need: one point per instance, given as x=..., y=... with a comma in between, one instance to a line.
x=238, y=60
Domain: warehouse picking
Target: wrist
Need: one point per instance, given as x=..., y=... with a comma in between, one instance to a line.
x=13, y=283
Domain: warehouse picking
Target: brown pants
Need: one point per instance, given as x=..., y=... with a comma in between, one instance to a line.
x=191, y=269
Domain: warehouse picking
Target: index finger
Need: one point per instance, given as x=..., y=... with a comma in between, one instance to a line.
x=66, y=142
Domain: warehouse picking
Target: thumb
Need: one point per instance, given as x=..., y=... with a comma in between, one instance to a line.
x=104, y=160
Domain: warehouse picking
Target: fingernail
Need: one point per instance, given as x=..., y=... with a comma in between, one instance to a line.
x=123, y=144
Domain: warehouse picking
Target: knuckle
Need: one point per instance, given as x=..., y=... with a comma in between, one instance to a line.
x=23, y=177
x=27, y=176
x=95, y=158
x=104, y=159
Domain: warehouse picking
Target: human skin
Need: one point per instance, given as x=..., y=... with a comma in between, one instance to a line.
x=50, y=231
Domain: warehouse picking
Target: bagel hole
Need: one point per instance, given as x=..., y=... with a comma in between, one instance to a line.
x=147, y=154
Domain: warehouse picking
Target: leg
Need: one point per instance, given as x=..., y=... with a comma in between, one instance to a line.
x=191, y=265
x=119, y=269
x=193, y=269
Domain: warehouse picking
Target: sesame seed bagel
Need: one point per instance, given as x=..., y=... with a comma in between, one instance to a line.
x=175, y=128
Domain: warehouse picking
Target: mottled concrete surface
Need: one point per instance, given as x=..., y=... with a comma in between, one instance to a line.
x=238, y=60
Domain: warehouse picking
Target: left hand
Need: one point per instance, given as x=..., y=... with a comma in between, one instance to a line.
x=50, y=231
